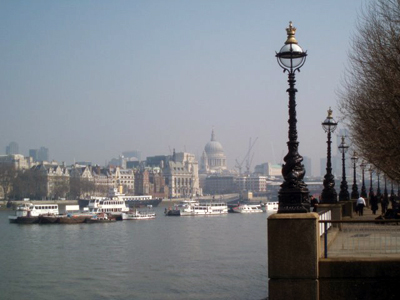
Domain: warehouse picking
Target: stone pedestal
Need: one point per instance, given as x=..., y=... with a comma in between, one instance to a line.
x=354, y=202
x=347, y=208
x=293, y=252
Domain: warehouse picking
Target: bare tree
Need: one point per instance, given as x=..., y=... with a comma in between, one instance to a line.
x=370, y=93
x=29, y=184
x=7, y=176
x=61, y=187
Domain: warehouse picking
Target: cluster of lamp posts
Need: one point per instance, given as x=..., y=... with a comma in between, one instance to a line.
x=294, y=194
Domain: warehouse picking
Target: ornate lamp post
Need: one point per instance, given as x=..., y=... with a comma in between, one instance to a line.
x=354, y=192
x=392, y=194
x=385, y=192
x=378, y=190
x=363, y=189
x=371, y=189
x=328, y=193
x=398, y=190
x=344, y=193
x=293, y=195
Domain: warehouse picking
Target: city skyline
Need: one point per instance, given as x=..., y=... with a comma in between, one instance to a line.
x=90, y=80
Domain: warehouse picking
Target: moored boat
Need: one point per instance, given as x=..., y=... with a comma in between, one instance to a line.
x=48, y=219
x=29, y=213
x=195, y=208
x=139, y=214
x=272, y=206
x=115, y=204
x=248, y=208
x=73, y=218
x=100, y=218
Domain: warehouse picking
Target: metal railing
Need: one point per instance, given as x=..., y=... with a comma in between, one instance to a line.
x=324, y=216
x=363, y=238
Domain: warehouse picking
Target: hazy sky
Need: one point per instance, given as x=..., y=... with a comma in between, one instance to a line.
x=91, y=79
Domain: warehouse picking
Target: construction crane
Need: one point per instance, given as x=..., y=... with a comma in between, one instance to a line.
x=246, y=158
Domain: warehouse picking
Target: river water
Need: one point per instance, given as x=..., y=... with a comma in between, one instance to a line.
x=205, y=257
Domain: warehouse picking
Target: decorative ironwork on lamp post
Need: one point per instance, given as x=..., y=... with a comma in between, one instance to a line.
x=354, y=192
x=385, y=192
x=328, y=193
x=392, y=194
x=371, y=189
x=363, y=165
x=344, y=193
x=378, y=190
x=398, y=190
x=293, y=195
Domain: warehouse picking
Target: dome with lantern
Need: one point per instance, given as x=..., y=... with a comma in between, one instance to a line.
x=213, y=158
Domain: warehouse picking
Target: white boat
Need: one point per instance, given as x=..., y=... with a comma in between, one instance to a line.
x=195, y=208
x=29, y=213
x=271, y=206
x=115, y=204
x=139, y=214
x=248, y=208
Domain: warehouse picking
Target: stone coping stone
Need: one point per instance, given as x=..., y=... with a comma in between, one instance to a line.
x=297, y=216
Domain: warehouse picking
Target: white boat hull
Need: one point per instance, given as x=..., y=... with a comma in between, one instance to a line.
x=271, y=207
x=138, y=215
x=194, y=208
x=248, y=209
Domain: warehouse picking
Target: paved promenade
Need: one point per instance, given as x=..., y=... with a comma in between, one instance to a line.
x=364, y=240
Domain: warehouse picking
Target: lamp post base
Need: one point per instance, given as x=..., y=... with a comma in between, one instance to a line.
x=329, y=196
x=294, y=200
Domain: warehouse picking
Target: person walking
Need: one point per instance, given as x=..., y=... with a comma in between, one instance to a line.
x=374, y=203
x=314, y=203
x=383, y=205
x=360, y=205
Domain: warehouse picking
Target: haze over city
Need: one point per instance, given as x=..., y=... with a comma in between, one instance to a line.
x=91, y=79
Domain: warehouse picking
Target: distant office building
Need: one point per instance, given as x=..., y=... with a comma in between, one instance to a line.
x=18, y=161
x=253, y=183
x=133, y=164
x=220, y=184
x=41, y=154
x=12, y=148
x=307, y=165
x=34, y=154
x=156, y=161
x=133, y=154
x=268, y=169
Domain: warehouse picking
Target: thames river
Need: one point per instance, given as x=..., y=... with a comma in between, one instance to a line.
x=204, y=257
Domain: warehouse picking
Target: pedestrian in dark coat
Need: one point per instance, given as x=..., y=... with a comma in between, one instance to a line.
x=374, y=203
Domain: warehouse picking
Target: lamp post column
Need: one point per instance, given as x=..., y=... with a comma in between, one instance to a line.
x=392, y=190
x=398, y=190
x=363, y=189
x=378, y=190
x=371, y=189
x=344, y=193
x=354, y=193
